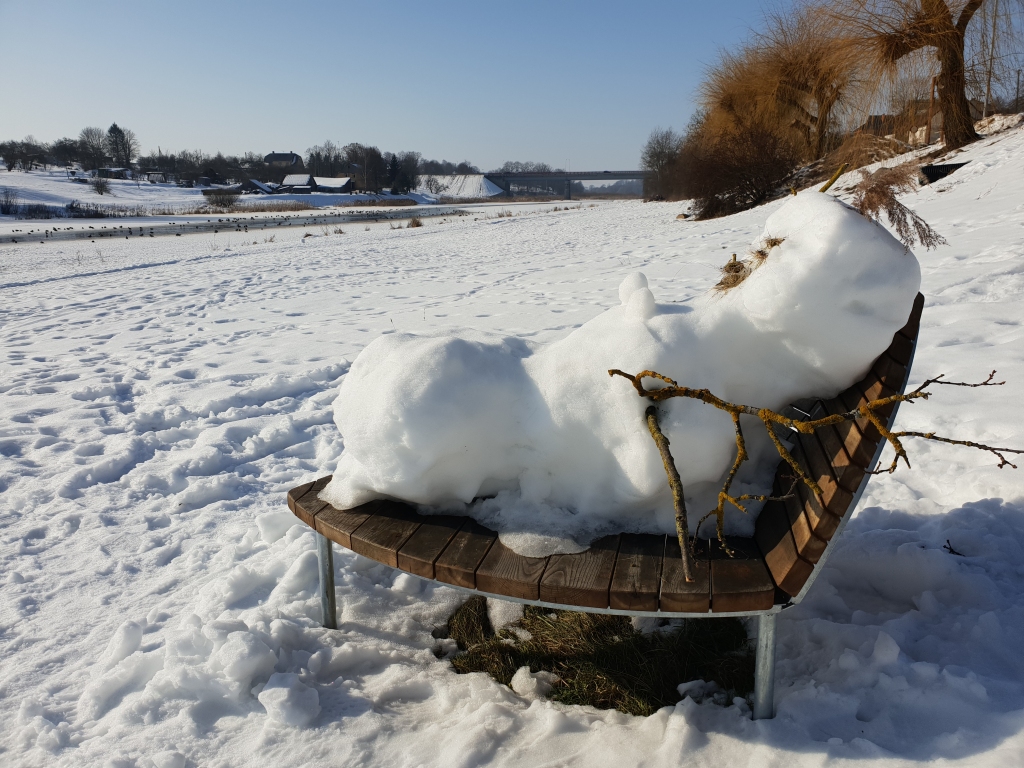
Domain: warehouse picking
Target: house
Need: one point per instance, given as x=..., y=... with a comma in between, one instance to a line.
x=296, y=184
x=304, y=184
x=284, y=161
x=114, y=173
x=213, y=177
x=920, y=122
x=257, y=187
x=335, y=186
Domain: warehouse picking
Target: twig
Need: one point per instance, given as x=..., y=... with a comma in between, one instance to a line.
x=835, y=177
x=676, y=484
x=949, y=548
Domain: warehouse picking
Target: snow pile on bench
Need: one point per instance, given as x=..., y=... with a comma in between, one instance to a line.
x=443, y=419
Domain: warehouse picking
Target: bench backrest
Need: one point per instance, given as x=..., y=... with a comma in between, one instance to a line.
x=794, y=535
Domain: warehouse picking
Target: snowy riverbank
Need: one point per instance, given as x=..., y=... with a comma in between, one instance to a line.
x=158, y=397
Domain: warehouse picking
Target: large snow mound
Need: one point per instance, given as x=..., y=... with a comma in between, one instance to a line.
x=468, y=186
x=443, y=419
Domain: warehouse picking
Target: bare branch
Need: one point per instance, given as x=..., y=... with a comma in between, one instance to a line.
x=869, y=411
x=676, y=484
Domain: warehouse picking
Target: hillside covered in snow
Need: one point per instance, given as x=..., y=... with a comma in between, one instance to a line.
x=458, y=187
x=158, y=600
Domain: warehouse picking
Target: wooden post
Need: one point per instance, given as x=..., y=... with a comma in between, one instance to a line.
x=931, y=112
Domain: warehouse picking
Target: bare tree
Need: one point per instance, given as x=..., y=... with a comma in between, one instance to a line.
x=93, y=146
x=659, y=155
x=325, y=159
x=434, y=185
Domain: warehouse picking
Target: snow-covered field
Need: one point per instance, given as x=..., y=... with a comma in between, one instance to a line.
x=158, y=605
x=55, y=188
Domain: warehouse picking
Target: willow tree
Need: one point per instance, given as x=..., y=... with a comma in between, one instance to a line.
x=794, y=74
x=810, y=73
x=890, y=30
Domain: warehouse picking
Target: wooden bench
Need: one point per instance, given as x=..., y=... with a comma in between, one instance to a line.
x=641, y=574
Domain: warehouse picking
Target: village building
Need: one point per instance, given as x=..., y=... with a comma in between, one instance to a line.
x=284, y=161
x=304, y=184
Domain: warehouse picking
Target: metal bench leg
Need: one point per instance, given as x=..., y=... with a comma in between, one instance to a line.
x=764, y=669
x=325, y=556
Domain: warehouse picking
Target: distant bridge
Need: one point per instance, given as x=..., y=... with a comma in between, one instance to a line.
x=552, y=178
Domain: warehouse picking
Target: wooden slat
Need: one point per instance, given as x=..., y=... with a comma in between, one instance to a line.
x=419, y=553
x=854, y=398
x=875, y=389
x=808, y=546
x=338, y=524
x=581, y=579
x=384, y=533
x=636, y=580
x=676, y=593
x=297, y=493
x=812, y=458
x=847, y=473
x=739, y=583
x=504, y=572
x=860, y=450
x=774, y=538
x=890, y=372
x=458, y=562
x=823, y=523
x=308, y=505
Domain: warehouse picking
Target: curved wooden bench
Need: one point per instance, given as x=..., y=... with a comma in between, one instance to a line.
x=641, y=574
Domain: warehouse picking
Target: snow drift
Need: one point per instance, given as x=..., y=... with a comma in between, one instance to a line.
x=444, y=419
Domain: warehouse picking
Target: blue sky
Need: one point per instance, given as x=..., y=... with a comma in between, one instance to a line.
x=577, y=83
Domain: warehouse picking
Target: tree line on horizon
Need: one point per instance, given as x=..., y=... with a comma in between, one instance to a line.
x=369, y=167
x=840, y=81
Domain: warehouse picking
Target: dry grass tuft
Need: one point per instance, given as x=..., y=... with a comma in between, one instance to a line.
x=602, y=661
x=735, y=272
x=414, y=222
x=877, y=192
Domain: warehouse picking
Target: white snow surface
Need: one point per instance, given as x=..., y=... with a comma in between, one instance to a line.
x=158, y=601
x=449, y=417
x=54, y=188
x=470, y=186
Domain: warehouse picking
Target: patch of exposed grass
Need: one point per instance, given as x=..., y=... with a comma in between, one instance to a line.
x=602, y=661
